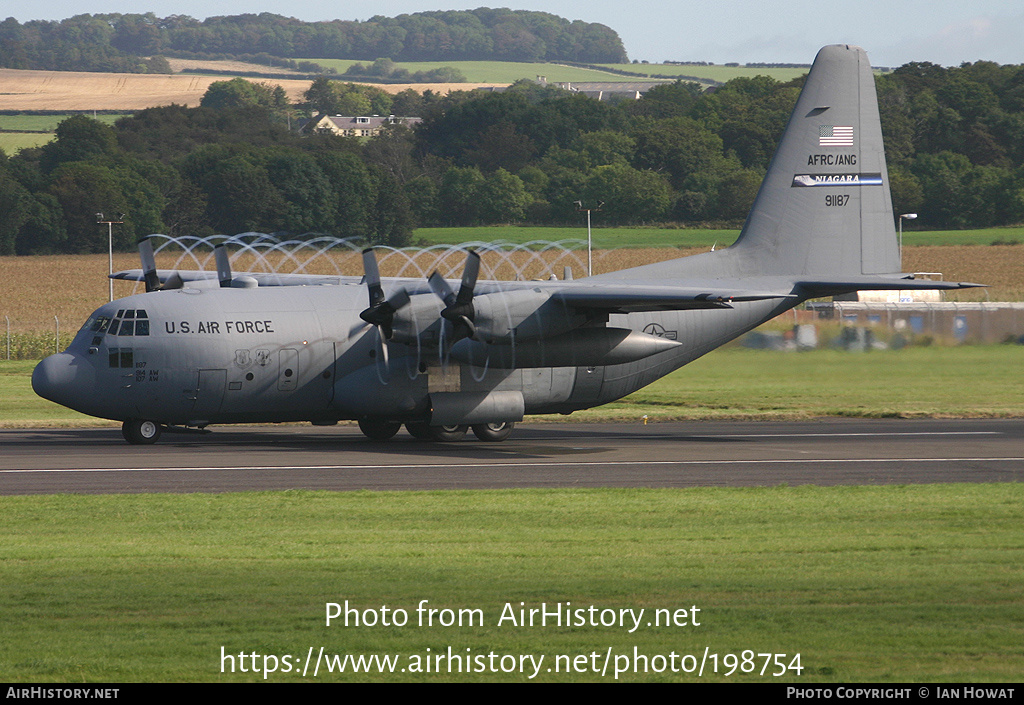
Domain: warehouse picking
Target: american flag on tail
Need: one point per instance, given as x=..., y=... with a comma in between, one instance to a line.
x=835, y=136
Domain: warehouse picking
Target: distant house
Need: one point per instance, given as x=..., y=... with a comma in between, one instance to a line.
x=358, y=126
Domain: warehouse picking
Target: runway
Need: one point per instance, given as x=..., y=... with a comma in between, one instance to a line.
x=691, y=454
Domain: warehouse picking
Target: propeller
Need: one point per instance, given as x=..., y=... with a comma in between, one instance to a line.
x=381, y=312
x=458, y=308
x=149, y=274
x=220, y=255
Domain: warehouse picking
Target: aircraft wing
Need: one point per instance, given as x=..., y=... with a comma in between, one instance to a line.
x=261, y=278
x=641, y=297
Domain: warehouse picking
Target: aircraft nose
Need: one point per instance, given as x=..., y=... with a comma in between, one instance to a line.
x=58, y=376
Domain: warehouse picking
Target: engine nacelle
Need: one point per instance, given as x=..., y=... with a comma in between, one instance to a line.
x=522, y=315
x=583, y=347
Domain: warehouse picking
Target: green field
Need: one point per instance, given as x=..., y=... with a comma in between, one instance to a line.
x=48, y=123
x=572, y=237
x=23, y=131
x=11, y=142
x=731, y=383
x=713, y=73
x=510, y=71
x=492, y=71
x=680, y=237
x=880, y=584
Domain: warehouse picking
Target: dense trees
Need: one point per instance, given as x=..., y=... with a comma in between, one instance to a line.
x=954, y=137
x=135, y=42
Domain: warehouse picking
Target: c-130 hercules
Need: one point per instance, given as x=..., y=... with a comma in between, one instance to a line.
x=197, y=350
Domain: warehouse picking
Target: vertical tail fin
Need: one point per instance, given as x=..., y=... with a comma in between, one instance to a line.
x=824, y=207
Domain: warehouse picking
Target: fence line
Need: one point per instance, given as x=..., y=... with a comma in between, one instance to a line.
x=34, y=345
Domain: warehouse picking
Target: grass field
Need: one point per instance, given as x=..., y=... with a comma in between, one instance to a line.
x=509, y=71
x=494, y=71
x=23, y=131
x=684, y=237
x=880, y=584
x=11, y=142
x=48, y=123
x=732, y=384
x=576, y=237
x=713, y=73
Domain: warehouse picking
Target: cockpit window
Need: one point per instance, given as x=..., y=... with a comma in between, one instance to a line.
x=97, y=324
x=125, y=325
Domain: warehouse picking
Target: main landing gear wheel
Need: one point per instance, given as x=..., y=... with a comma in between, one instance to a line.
x=493, y=432
x=419, y=430
x=140, y=431
x=377, y=430
x=448, y=433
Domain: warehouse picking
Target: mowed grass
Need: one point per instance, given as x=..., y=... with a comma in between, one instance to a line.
x=880, y=584
x=736, y=383
x=733, y=383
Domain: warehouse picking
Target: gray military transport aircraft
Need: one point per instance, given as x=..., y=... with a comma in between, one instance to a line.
x=199, y=348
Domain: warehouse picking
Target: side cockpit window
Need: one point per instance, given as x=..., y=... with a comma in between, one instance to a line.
x=95, y=327
x=121, y=357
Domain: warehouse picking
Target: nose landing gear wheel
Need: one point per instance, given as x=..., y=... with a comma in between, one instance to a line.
x=493, y=432
x=140, y=431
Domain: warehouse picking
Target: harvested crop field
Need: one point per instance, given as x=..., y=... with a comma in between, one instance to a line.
x=70, y=90
x=35, y=289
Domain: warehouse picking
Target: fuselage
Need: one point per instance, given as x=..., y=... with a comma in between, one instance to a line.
x=198, y=356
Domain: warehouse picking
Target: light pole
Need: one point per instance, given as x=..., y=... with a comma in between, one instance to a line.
x=110, y=245
x=908, y=216
x=590, y=245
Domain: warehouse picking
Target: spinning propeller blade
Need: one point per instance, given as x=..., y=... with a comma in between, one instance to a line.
x=220, y=255
x=381, y=312
x=149, y=273
x=458, y=308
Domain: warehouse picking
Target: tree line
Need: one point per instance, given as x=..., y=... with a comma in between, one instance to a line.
x=119, y=42
x=954, y=139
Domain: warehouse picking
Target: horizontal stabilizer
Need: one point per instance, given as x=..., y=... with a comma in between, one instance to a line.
x=845, y=285
x=640, y=297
